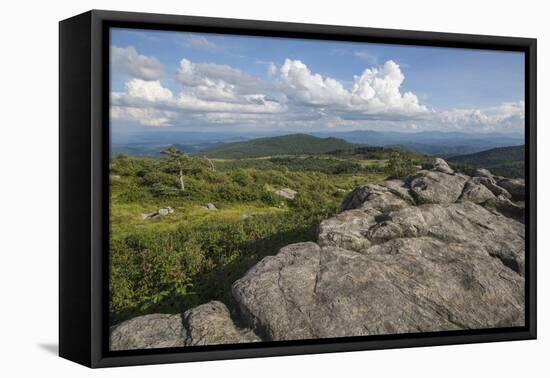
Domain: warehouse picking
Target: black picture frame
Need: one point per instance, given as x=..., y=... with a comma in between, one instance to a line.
x=84, y=193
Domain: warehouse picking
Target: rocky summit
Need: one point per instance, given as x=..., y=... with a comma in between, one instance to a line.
x=437, y=250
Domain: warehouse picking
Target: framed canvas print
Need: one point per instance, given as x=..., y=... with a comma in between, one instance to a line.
x=234, y=188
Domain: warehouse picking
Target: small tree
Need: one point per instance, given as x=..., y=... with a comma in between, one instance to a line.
x=178, y=161
x=398, y=165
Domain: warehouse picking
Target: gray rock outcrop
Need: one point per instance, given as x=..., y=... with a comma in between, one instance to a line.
x=149, y=331
x=211, y=323
x=436, y=187
x=441, y=165
x=401, y=286
x=207, y=324
x=438, y=250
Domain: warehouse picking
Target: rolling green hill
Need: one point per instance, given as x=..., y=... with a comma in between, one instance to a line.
x=503, y=161
x=294, y=144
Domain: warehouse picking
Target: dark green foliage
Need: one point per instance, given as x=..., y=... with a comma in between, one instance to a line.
x=399, y=164
x=318, y=164
x=241, y=177
x=502, y=161
x=174, y=270
x=381, y=153
x=269, y=198
x=295, y=144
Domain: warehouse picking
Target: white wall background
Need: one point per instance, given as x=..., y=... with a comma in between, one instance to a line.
x=29, y=188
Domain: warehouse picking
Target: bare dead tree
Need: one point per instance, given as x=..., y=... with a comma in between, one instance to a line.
x=211, y=163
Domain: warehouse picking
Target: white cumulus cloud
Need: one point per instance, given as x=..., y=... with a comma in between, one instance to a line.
x=211, y=75
x=375, y=91
x=148, y=90
x=145, y=116
x=379, y=90
x=311, y=88
x=133, y=64
x=508, y=116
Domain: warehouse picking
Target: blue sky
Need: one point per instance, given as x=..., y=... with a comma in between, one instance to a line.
x=249, y=82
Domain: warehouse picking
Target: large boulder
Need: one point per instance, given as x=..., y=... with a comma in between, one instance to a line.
x=475, y=192
x=207, y=324
x=149, y=331
x=462, y=223
x=490, y=184
x=211, y=324
x=347, y=229
x=389, y=195
x=441, y=165
x=436, y=187
x=403, y=285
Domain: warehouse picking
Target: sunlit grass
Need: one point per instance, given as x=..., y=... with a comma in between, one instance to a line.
x=127, y=218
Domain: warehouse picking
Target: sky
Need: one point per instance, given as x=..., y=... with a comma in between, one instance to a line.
x=211, y=82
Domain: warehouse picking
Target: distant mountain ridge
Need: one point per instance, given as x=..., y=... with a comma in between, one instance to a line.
x=504, y=161
x=293, y=144
x=437, y=143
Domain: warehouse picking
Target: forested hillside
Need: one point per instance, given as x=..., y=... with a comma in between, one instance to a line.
x=504, y=161
x=294, y=144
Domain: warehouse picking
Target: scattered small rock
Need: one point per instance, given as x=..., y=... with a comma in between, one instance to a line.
x=163, y=211
x=210, y=206
x=286, y=193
